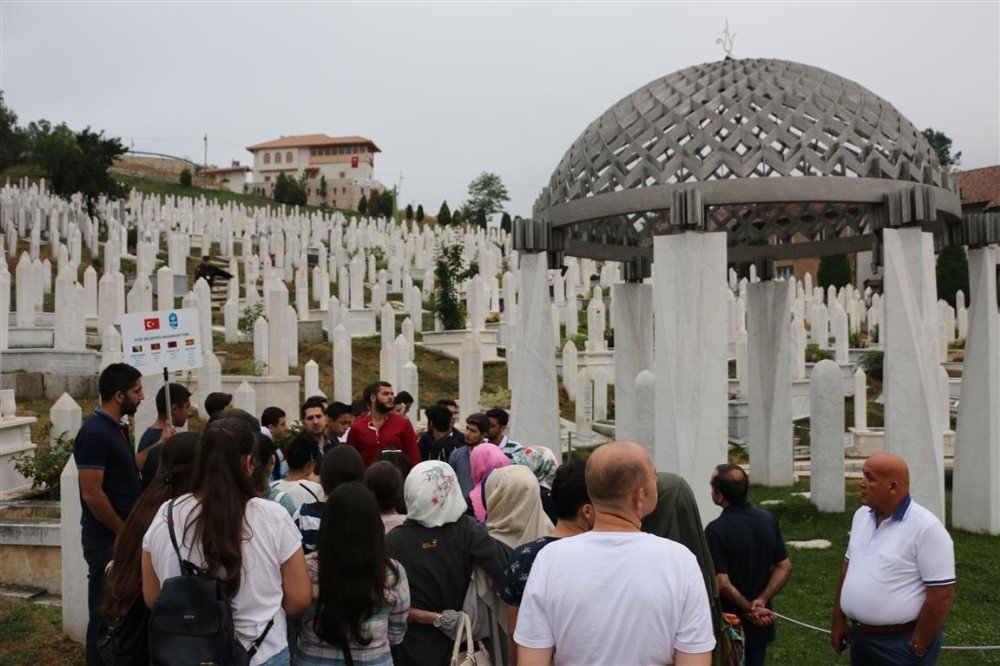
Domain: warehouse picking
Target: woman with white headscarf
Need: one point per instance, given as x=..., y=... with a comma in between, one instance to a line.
x=438, y=545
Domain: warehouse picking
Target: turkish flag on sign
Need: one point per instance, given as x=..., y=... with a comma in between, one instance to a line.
x=152, y=324
x=354, y=162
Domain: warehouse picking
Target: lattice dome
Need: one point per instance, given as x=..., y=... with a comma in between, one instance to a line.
x=746, y=118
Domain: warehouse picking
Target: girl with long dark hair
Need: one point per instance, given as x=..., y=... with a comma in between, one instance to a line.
x=360, y=596
x=124, y=587
x=228, y=531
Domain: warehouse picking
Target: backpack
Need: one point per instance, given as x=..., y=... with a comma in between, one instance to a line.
x=191, y=621
x=123, y=639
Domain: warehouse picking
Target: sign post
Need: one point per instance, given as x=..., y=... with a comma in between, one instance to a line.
x=166, y=339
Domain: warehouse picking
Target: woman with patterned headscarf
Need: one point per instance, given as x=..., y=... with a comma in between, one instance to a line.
x=438, y=545
x=543, y=464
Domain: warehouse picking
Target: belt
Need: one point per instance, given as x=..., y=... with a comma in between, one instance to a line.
x=883, y=629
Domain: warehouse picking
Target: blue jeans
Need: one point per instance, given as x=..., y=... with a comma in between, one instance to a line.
x=97, y=553
x=889, y=649
x=280, y=659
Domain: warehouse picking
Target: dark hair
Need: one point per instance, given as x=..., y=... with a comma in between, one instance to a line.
x=399, y=459
x=271, y=416
x=499, y=414
x=239, y=414
x=479, y=420
x=172, y=479
x=300, y=451
x=265, y=455
x=448, y=402
x=223, y=489
x=386, y=483
x=206, y=257
x=569, y=490
x=403, y=397
x=337, y=409
x=216, y=402
x=116, y=377
x=731, y=482
x=354, y=566
x=341, y=464
x=358, y=407
x=312, y=403
x=372, y=390
x=439, y=417
x=179, y=395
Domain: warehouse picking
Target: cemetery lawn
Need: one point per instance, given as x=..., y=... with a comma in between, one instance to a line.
x=32, y=634
x=808, y=596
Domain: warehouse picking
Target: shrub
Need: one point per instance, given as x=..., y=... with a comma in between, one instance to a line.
x=872, y=364
x=46, y=463
x=363, y=205
x=834, y=270
x=250, y=314
x=420, y=213
x=185, y=179
x=952, y=273
x=857, y=341
x=814, y=354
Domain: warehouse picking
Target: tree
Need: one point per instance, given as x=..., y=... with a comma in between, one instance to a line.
x=75, y=162
x=185, y=179
x=13, y=140
x=444, y=215
x=420, y=213
x=322, y=188
x=941, y=143
x=487, y=194
x=287, y=190
x=386, y=204
x=363, y=205
x=457, y=216
x=448, y=273
x=834, y=270
x=952, y=273
x=481, y=218
x=409, y=212
x=505, y=222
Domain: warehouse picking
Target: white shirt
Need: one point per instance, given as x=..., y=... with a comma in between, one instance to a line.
x=302, y=491
x=890, y=565
x=273, y=541
x=615, y=598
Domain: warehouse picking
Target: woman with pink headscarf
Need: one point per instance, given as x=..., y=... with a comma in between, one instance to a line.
x=485, y=458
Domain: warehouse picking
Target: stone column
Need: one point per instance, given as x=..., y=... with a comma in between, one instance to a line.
x=912, y=387
x=311, y=379
x=209, y=377
x=470, y=375
x=632, y=319
x=277, y=323
x=534, y=394
x=245, y=398
x=644, y=389
x=689, y=281
x=976, y=489
x=826, y=449
x=769, y=375
x=341, y=365
x=569, y=368
x=164, y=289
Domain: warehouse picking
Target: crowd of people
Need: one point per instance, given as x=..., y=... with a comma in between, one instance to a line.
x=349, y=539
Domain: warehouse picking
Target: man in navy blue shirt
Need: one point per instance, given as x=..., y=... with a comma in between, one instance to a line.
x=109, y=480
x=751, y=563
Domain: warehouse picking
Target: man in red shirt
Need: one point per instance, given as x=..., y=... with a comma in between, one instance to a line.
x=381, y=429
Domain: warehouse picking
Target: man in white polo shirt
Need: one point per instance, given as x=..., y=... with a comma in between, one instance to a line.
x=898, y=578
x=616, y=595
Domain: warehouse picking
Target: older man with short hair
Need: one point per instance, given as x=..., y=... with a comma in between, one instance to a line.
x=897, y=582
x=616, y=595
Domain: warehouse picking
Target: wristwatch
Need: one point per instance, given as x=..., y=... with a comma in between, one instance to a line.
x=918, y=650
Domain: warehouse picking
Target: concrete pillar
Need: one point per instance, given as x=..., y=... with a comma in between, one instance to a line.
x=689, y=281
x=826, y=444
x=632, y=319
x=769, y=375
x=911, y=385
x=976, y=488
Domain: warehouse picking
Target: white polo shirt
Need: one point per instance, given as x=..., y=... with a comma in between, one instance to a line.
x=890, y=565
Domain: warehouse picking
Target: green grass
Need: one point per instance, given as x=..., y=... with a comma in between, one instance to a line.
x=32, y=634
x=808, y=597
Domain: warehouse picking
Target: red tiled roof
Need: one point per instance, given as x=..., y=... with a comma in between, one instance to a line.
x=980, y=187
x=313, y=140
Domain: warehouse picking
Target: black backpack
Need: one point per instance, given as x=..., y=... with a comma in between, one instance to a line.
x=191, y=622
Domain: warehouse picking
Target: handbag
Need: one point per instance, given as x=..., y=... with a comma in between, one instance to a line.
x=472, y=654
x=730, y=648
x=123, y=639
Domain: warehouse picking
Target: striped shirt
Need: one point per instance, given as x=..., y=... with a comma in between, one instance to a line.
x=307, y=518
x=386, y=627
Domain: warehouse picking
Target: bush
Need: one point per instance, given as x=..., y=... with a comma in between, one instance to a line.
x=46, y=463
x=872, y=364
x=814, y=354
x=579, y=340
x=363, y=205
x=857, y=341
x=952, y=273
x=420, y=213
x=250, y=314
x=444, y=215
x=834, y=270
x=185, y=179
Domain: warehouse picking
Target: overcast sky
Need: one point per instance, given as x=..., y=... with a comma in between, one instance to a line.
x=448, y=90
